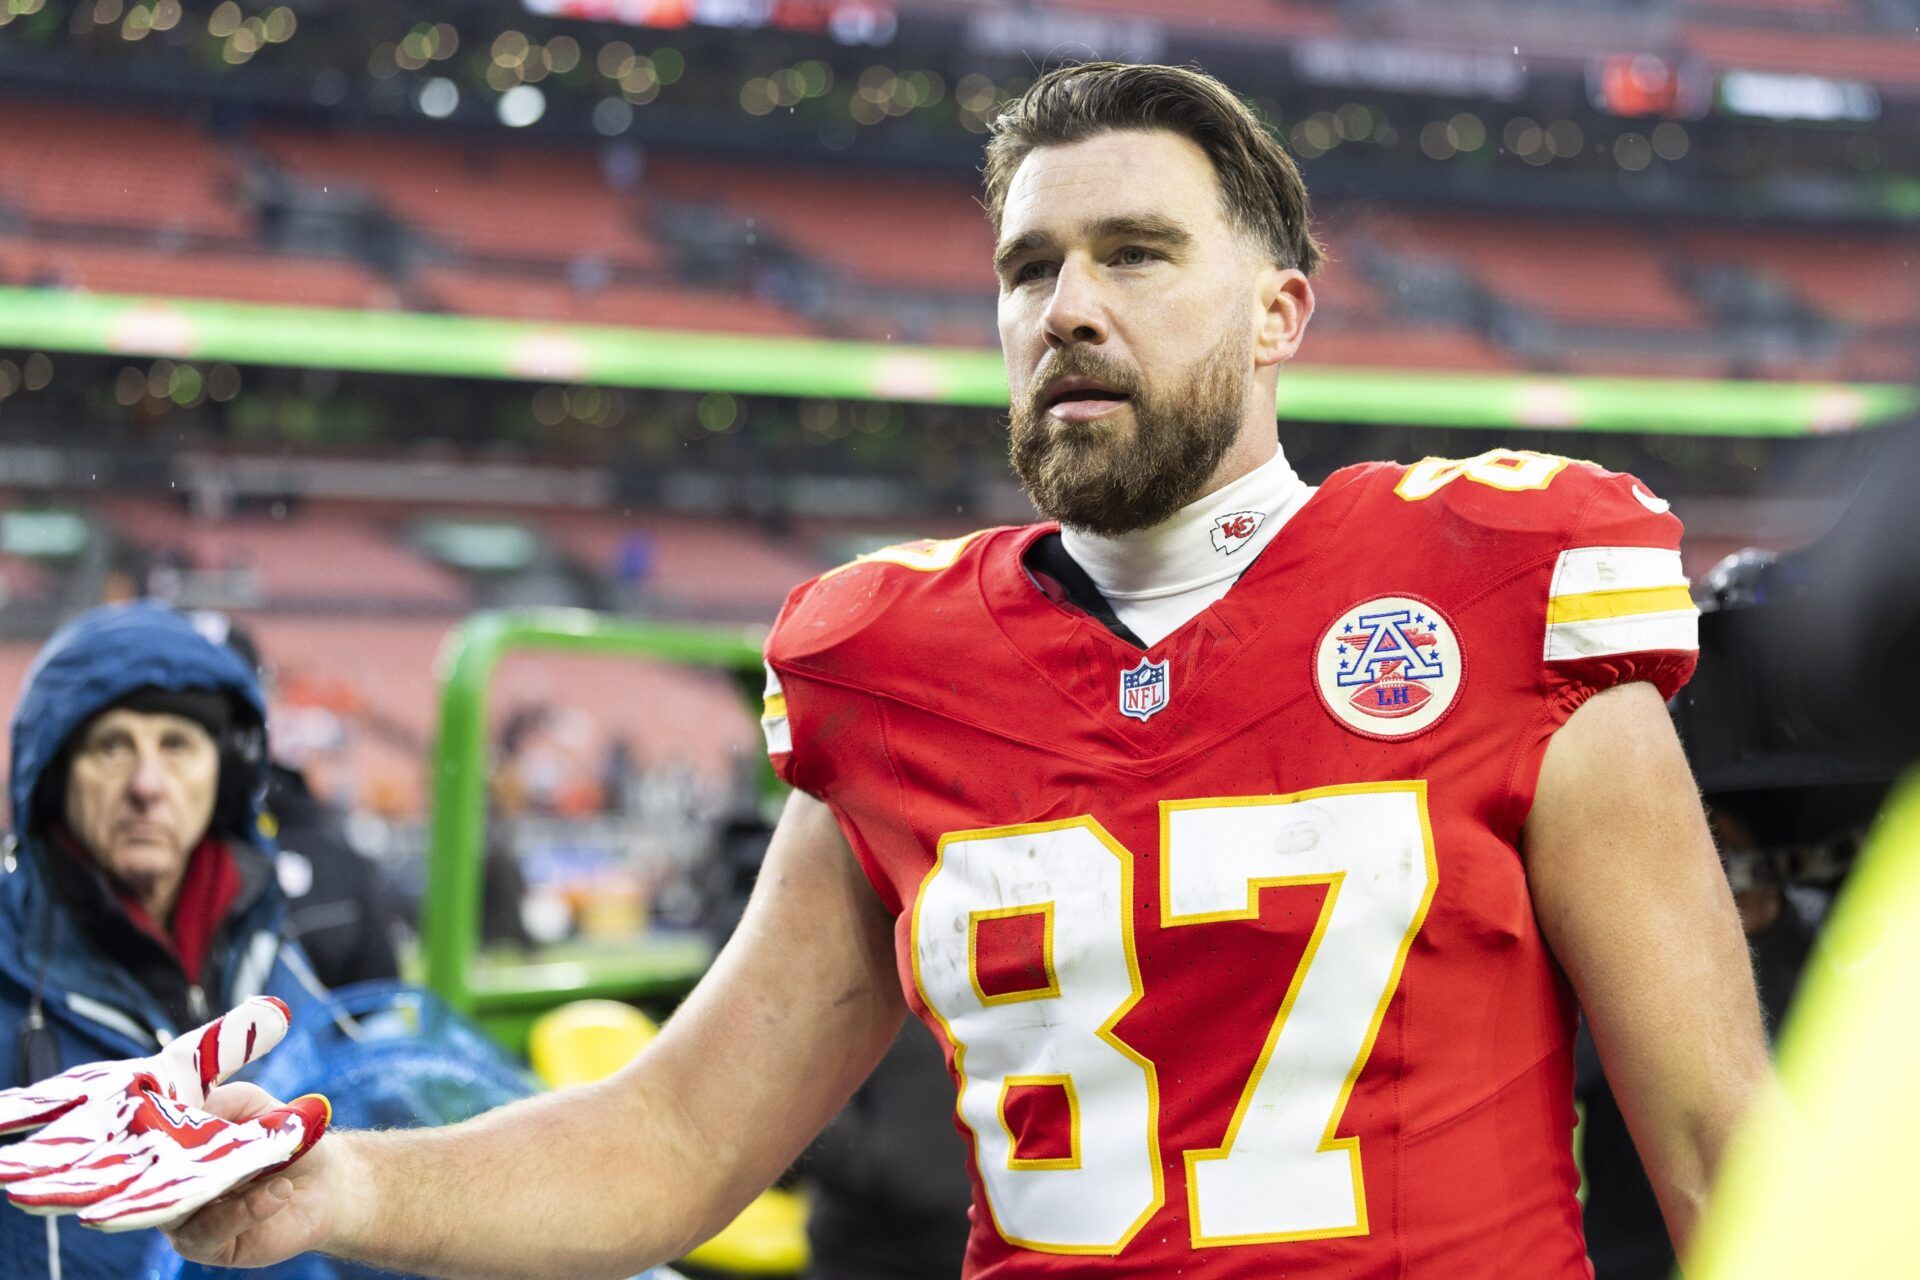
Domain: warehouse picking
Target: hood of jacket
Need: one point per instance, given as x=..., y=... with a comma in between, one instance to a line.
x=106, y=654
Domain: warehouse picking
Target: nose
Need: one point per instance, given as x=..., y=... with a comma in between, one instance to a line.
x=147, y=782
x=1074, y=313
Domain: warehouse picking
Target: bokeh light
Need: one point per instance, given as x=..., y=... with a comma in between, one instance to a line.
x=438, y=98
x=521, y=106
x=1564, y=139
x=1632, y=152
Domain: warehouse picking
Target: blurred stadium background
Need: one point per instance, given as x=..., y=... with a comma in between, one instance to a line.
x=352, y=317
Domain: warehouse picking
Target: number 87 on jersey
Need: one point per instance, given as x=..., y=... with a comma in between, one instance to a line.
x=1065, y=1115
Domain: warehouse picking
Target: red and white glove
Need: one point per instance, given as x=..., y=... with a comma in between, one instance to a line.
x=127, y=1144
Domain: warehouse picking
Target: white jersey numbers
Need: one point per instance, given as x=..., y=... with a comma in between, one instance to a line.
x=1043, y=1034
x=926, y=555
x=1511, y=469
x=1281, y=1174
x=1094, y=1196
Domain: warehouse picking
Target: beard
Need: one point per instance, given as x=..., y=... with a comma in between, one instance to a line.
x=1097, y=476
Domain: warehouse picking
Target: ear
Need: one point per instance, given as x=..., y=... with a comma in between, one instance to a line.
x=1285, y=302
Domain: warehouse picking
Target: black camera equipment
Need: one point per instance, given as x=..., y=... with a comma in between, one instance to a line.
x=1806, y=704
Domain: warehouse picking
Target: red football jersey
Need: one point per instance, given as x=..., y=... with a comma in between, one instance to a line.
x=1229, y=941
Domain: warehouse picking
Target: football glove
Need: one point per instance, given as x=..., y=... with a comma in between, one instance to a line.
x=128, y=1144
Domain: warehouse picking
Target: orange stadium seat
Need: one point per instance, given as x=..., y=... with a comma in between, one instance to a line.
x=667, y=713
x=268, y=278
x=1341, y=295
x=1850, y=57
x=949, y=327
x=644, y=306
x=521, y=203
x=85, y=166
x=1579, y=271
x=1404, y=347
x=879, y=229
x=684, y=551
x=1271, y=17
x=1890, y=359
x=310, y=558
x=1864, y=278
x=22, y=579
x=1647, y=358
x=1794, y=10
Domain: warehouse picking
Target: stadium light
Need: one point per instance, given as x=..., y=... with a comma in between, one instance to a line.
x=738, y=364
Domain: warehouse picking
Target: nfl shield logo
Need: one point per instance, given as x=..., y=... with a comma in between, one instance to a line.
x=1143, y=690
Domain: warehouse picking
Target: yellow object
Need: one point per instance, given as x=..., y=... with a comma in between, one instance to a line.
x=1823, y=1181
x=589, y=1040
x=769, y=1238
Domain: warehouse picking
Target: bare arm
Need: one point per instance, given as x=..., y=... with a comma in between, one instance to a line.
x=609, y=1178
x=1630, y=895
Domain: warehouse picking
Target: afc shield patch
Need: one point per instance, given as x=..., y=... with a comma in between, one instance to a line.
x=1389, y=668
x=1144, y=689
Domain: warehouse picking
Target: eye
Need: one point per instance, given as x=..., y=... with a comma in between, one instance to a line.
x=1135, y=256
x=1031, y=271
x=110, y=749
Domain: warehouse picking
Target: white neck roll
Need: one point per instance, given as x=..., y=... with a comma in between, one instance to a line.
x=1158, y=579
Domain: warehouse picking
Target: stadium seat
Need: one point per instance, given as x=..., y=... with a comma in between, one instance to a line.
x=650, y=306
x=1858, y=277
x=924, y=233
x=681, y=553
x=271, y=279
x=1572, y=270
x=312, y=557
x=375, y=676
x=1403, y=347
x=512, y=202
x=587, y=1040
x=78, y=165
x=1795, y=12
x=1269, y=17
x=1844, y=56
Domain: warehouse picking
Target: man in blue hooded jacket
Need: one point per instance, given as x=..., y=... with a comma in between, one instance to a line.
x=139, y=898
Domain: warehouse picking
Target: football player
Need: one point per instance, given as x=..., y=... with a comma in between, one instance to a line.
x=1248, y=846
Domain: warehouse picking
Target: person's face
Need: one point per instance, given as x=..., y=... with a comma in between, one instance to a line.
x=140, y=795
x=1134, y=319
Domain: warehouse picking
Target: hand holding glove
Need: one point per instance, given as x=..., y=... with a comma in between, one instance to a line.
x=128, y=1144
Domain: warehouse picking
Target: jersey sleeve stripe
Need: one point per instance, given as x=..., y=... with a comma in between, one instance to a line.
x=1606, y=601
x=773, y=716
x=1632, y=633
x=779, y=735
x=1585, y=570
x=1593, y=605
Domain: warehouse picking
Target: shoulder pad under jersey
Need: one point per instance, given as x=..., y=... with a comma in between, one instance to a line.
x=826, y=611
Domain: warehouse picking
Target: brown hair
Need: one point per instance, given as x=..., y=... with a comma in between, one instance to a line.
x=1259, y=183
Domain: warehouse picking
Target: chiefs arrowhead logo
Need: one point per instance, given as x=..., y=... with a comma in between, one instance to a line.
x=1235, y=529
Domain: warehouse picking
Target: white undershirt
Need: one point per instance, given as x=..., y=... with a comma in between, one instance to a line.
x=1160, y=578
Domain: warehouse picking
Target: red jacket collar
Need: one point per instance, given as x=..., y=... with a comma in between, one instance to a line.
x=207, y=893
